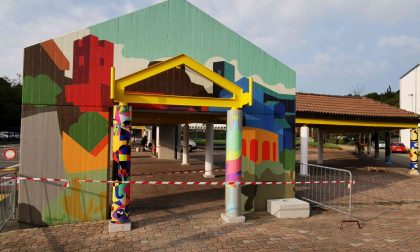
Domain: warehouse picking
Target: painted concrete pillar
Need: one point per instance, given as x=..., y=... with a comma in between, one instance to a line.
x=208, y=164
x=121, y=150
x=304, y=142
x=414, y=151
x=149, y=136
x=154, y=153
x=369, y=143
x=320, y=146
x=178, y=142
x=376, y=139
x=233, y=167
x=185, y=147
x=388, y=147
x=157, y=141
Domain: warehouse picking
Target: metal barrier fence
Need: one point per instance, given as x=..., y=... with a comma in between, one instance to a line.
x=7, y=197
x=335, y=196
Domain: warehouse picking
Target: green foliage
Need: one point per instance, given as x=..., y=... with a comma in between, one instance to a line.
x=388, y=97
x=40, y=90
x=10, y=104
x=89, y=130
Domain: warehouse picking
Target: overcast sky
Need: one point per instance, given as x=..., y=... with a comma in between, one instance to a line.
x=335, y=46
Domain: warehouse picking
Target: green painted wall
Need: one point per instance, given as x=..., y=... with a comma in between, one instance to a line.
x=176, y=26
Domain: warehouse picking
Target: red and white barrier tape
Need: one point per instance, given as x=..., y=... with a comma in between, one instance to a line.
x=212, y=183
x=175, y=172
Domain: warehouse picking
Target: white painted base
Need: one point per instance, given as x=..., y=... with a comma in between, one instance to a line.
x=113, y=227
x=288, y=208
x=232, y=219
x=414, y=172
x=209, y=176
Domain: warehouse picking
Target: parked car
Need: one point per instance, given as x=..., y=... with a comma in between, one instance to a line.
x=398, y=147
x=381, y=145
x=191, y=145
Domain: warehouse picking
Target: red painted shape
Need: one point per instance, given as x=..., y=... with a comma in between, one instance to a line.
x=92, y=61
x=266, y=150
x=243, y=147
x=253, y=151
x=100, y=146
x=55, y=54
x=274, y=152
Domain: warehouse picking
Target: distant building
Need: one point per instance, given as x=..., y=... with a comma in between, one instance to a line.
x=410, y=97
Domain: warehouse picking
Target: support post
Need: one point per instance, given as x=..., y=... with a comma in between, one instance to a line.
x=157, y=141
x=149, y=136
x=178, y=143
x=154, y=154
x=185, y=147
x=208, y=167
x=304, y=142
x=233, y=167
x=388, y=147
x=121, y=150
x=320, y=146
x=414, y=152
x=376, y=139
x=369, y=144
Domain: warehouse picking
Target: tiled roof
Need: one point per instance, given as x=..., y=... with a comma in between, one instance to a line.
x=348, y=106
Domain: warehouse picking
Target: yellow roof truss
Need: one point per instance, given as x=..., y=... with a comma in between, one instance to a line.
x=238, y=99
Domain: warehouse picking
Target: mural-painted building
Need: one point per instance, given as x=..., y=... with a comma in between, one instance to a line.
x=66, y=110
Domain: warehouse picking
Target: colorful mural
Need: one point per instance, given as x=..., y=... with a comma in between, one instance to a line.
x=121, y=152
x=76, y=111
x=267, y=140
x=66, y=107
x=414, y=151
x=233, y=161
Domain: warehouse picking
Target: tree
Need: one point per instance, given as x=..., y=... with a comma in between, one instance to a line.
x=388, y=97
x=10, y=103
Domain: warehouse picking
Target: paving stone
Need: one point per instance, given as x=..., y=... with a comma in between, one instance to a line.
x=188, y=218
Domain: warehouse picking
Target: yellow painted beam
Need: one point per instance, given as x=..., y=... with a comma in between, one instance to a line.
x=238, y=100
x=354, y=123
x=179, y=100
x=112, y=84
x=174, y=62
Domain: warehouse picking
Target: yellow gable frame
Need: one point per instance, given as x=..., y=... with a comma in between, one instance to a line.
x=238, y=99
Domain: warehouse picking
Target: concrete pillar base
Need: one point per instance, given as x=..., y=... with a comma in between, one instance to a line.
x=232, y=219
x=414, y=172
x=209, y=176
x=114, y=227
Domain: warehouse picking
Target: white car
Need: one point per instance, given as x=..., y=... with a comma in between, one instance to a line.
x=381, y=144
x=191, y=145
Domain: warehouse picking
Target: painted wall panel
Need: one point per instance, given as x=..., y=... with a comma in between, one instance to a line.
x=62, y=142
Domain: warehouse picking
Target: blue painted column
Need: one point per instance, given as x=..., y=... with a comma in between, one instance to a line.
x=388, y=147
x=233, y=167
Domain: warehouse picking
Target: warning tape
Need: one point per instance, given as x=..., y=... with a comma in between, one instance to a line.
x=175, y=172
x=211, y=183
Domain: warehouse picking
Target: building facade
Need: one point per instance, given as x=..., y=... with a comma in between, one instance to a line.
x=410, y=97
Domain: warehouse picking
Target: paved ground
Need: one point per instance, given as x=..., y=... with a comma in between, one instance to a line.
x=188, y=218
